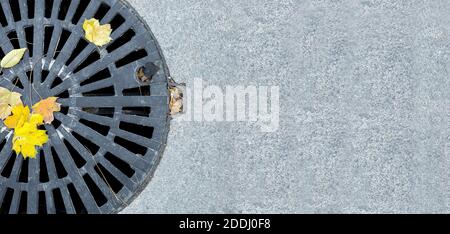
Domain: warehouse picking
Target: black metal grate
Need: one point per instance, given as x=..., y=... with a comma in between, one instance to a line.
x=106, y=142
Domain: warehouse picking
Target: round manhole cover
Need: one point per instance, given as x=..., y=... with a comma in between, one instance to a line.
x=106, y=142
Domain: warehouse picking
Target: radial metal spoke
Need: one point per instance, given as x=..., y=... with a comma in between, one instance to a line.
x=2, y=193
x=144, y=121
x=67, y=200
x=23, y=78
x=33, y=179
x=14, y=209
x=38, y=46
x=90, y=11
x=23, y=43
x=23, y=9
x=56, y=37
x=16, y=168
x=50, y=203
x=50, y=164
x=111, y=13
x=123, y=28
x=151, y=145
x=95, y=118
x=7, y=11
x=73, y=7
x=94, y=86
x=138, y=101
x=55, y=9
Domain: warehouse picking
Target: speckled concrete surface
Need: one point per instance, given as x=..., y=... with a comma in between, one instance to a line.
x=365, y=107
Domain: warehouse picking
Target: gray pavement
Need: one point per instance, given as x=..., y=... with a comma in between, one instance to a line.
x=365, y=107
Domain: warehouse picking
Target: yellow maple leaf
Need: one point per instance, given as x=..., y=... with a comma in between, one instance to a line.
x=46, y=108
x=27, y=138
x=8, y=100
x=98, y=34
x=20, y=115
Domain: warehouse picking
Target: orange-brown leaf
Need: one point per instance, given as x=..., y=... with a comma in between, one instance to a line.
x=46, y=108
x=176, y=101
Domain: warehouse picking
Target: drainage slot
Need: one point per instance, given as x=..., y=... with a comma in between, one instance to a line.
x=57, y=81
x=42, y=208
x=16, y=82
x=121, y=165
x=131, y=146
x=89, y=60
x=60, y=170
x=139, y=111
x=29, y=35
x=56, y=123
x=43, y=173
x=102, y=129
x=63, y=9
x=117, y=21
x=48, y=32
x=79, y=12
x=23, y=176
x=44, y=75
x=102, y=11
x=100, y=199
x=132, y=57
x=76, y=200
x=64, y=110
x=2, y=144
x=139, y=91
x=30, y=4
x=90, y=146
x=3, y=20
x=77, y=158
x=30, y=76
x=108, y=91
x=108, y=178
x=64, y=94
x=23, y=203
x=48, y=8
x=82, y=44
x=140, y=130
x=15, y=9
x=101, y=75
x=101, y=111
x=9, y=166
x=7, y=200
x=62, y=41
x=59, y=202
x=120, y=41
x=14, y=40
